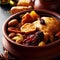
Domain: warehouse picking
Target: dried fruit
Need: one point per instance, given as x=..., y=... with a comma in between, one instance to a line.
x=39, y=35
x=13, y=30
x=28, y=28
x=30, y=40
x=18, y=38
x=11, y=35
x=13, y=22
x=34, y=15
x=42, y=43
x=42, y=22
x=34, y=39
x=26, y=19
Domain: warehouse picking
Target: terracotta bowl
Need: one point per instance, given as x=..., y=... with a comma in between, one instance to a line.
x=22, y=52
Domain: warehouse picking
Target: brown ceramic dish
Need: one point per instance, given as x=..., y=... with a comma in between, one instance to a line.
x=22, y=52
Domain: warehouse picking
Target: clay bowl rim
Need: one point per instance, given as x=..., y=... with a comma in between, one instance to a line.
x=8, y=39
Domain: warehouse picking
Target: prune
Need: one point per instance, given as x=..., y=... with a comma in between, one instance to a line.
x=34, y=39
x=42, y=22
x=39, y=36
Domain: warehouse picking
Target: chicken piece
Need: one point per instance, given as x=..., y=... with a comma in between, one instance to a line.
x=49, y=26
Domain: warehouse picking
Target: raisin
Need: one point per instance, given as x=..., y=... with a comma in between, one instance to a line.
x=42, y=22
x=30, y=40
